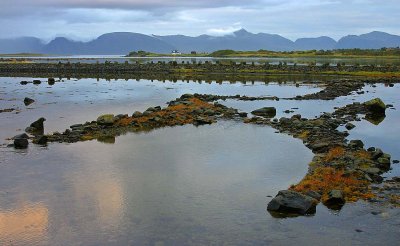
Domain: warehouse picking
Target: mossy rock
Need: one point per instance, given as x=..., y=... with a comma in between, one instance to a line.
x=376, y=106
x=106, y=120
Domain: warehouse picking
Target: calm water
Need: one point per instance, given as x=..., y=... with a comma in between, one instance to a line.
x=173, y=186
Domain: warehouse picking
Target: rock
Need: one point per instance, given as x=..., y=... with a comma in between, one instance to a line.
x=377, y=153
x=242, y=114
x=209, y=112
x=51, y=81
x=21, y=143
x=292, y=202
x=137, y=114
x=356, y=144
x=268, y=112
x=384, y=163
x=37, y=127
x=320, y=147
x=335, y=199
x=396, y=161
x=186, y=96
x=28, y=101
x=106, y=120
x=376, y=106
x=36, y=82
x=202, y=121
x=314, y=194
x=23, y=82
x=349, y=126
x=41, y=140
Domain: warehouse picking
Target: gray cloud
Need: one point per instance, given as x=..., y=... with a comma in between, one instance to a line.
x=290, y=18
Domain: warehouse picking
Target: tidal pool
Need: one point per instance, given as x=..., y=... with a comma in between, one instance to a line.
x=188, y=185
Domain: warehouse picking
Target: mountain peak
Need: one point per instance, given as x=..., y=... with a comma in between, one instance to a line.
x=242, y=32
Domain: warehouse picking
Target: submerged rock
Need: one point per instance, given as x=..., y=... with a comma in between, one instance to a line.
x=28, y=101
x=349, y=126
x=292, y=202
x=268, y=112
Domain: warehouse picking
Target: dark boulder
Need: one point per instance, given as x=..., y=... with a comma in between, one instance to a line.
x=37, y=127
x=292, y=202
x=376, y=106
x=37, y=82
x=28, y=101
x=356, y=144
x=51, y=81
x=349, y=126
x=41, y=140
x=268, y=112
x=21, y=143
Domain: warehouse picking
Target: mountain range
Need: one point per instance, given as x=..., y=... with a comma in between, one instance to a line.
x=121, y=43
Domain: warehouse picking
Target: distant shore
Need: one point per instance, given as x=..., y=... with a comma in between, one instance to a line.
x=173, y=68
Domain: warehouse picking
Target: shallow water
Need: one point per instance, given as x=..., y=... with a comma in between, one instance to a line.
x=171, y=186
x=74, y=101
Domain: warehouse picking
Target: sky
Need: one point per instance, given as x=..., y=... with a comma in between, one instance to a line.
x=85, y=20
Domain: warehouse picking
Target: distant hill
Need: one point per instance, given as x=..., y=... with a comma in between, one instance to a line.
x=21, y=45
x=321, y=43
x=372, y=40
x=121, y=43
x=117, y=43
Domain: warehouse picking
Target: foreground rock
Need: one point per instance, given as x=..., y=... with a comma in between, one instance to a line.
x=292, y=202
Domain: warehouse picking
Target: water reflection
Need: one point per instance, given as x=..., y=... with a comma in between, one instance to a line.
x=26, y=224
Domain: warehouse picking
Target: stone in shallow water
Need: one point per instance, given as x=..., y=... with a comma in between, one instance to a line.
x=376, y=106
x=292, y=202
x=268, y=112
x=21, y=143
x=28, y=101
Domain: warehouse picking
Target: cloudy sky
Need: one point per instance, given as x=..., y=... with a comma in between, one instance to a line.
x=86, y=19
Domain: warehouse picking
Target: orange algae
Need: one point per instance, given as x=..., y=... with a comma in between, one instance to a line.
x=325, y=179
x=334, y=153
